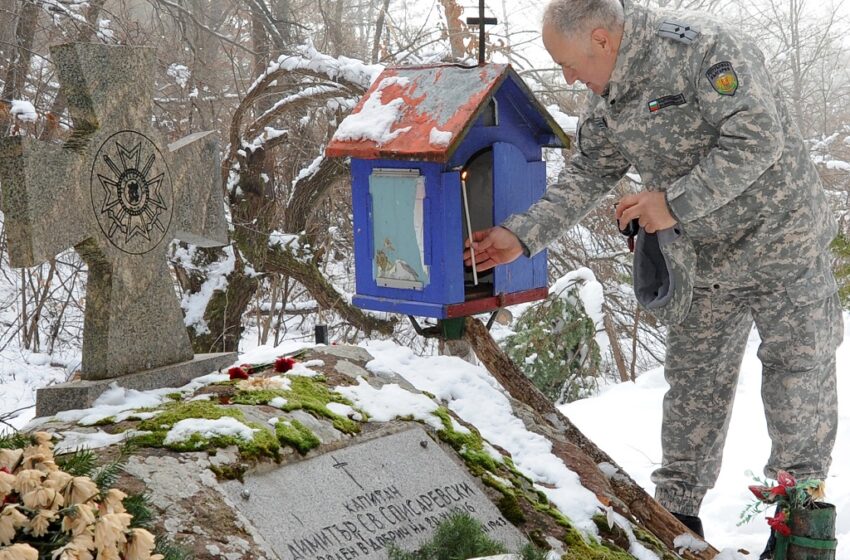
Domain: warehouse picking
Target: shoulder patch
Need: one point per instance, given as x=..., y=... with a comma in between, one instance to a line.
x=723, y=78
x=681, y=32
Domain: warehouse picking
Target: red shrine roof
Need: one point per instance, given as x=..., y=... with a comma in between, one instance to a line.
x=425, y=112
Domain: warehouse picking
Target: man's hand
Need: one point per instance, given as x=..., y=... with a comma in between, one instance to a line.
x=650, y=208
x=493, y=246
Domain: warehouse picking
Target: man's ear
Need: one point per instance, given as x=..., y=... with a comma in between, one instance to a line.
x=601, y=39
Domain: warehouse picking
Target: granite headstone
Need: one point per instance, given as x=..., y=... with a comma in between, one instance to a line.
x=354, y=502
x=118, y=193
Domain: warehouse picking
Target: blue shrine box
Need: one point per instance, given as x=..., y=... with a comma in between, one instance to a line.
x=418, y=139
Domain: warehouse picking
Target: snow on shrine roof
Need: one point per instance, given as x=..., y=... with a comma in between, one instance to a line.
x=425, y=112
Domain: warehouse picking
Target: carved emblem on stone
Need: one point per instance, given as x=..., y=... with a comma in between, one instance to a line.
x=131, y=191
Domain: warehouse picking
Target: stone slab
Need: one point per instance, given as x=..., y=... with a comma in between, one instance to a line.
x=353, y=502
x=81, y=394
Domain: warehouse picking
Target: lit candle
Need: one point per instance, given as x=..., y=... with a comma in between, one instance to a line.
x=468, y=226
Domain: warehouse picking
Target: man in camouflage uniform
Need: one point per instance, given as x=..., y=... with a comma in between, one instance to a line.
x=687, y=100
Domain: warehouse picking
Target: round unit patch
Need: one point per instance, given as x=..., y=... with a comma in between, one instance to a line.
x=131, y=192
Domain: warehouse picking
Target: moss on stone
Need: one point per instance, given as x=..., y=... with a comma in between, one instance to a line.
x=105, y=421
x=295, y=434
x=175, y=396
x=263, y=444
x=470, y=445
x=305, y=393
x=230, y=472
x=510, y=508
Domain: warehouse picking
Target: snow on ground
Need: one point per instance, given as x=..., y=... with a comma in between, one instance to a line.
x=625, y=421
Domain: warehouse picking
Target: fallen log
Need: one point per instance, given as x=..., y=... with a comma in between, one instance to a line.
x=578, y=452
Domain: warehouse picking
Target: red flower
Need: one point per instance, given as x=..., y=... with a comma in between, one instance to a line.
x=238, y=372
x=785, y=479
x=779, y=491
x=249, y=369
x=778, y=524
x=282, y=365
x=763, y=493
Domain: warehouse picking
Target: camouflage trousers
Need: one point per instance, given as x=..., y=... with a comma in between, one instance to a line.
x=800, y=331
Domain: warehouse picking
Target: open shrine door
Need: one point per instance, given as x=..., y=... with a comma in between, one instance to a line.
x=517, y=184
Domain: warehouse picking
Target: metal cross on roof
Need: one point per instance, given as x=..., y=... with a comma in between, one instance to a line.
x=481, y=22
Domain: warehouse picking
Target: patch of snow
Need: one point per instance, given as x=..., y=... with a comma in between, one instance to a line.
x=302, y=369
x=23, y=110
x=180, y=73
x=287, y=241
x=194, y=305
x=440, y=138
x=309, y=171
x=375, y=119
x=390, y=402
x=567, y=122
x=226, y=426
x=344, y=410
x=838, y=165
x=730, y=554
x=687, y=541
x=278, y=402
x=103, y=30
x=91, y=440
x=591, y=295
x=306, y=57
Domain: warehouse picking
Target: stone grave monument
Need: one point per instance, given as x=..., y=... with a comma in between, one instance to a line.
x=356, y=501
x=118, y=194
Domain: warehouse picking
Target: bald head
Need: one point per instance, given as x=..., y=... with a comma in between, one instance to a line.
x=583, y=37
x=570, y=17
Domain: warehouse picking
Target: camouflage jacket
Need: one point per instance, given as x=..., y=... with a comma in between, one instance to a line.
x=692, y=107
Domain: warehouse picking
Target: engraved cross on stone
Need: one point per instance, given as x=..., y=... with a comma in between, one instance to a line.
x=118, y=194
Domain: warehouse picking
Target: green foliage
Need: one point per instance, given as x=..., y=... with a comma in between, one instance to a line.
x=841, y=267
x=469, y=445
x=79, y=463
x=171, y=550
x=554, y=345
x=458, y=537
x=139, y=506
x=295, y=434
x=15, y=440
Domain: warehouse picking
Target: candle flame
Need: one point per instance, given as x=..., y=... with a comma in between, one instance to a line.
x=464, y=175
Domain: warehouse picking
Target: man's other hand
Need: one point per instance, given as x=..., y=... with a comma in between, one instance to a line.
x=493, y=246
x=650, y=208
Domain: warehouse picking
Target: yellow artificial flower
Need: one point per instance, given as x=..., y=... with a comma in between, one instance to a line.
x=7, y=484
x=19, y=552
x=140, y=544
x=28, y=480
x=39, y=461
x=113, y=502
x=10, y=520
x=43, y=438
x=41, y=522
x=58, y=480
x=10, y=459
x=262, y=383
x=77, y=549
x=157, y=557
x=43, y=498
x=80, y=490
x=109, y=531
x=78, y=521
x=108, y=553
x=818, y=492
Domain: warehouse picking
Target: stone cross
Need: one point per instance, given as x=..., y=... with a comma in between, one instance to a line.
x=118, y=194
